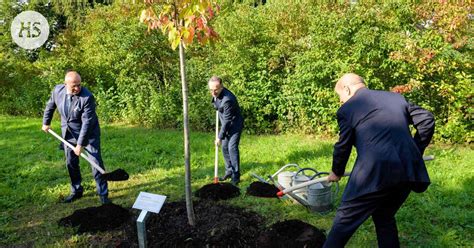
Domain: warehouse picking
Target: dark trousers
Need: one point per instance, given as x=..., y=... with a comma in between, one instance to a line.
x=230, y=150
x=382, y=206
x=72, y=163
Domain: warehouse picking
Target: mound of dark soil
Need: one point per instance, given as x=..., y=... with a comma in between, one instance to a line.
x=93, y=219
x=261, y=189
x=216, y=226
x=218, y=191
x=291, y=233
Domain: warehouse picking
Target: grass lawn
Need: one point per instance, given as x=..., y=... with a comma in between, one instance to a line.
x=33, y=181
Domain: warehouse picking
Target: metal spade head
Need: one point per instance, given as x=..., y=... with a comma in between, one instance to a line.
x=116, y=175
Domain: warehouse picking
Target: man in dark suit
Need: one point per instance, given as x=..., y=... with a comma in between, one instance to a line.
x=232, y=124
x=80, y=127
x=389, y=160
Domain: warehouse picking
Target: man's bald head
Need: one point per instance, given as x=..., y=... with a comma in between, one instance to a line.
x=347, y=86
x=349, y=79
x=72, y=80
x=72, y=76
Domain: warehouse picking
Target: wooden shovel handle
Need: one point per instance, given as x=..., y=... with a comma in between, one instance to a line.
x=82, y=154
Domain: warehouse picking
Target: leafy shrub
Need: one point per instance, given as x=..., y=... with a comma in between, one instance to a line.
x=281, y=59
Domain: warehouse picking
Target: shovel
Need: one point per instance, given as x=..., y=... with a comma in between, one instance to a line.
x=116, y=175
x=216, y=177
x=259, y=178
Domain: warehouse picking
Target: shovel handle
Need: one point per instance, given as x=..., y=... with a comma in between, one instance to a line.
x=258, y=178
x=82, y=154
x=216, y=157
x=302, y=185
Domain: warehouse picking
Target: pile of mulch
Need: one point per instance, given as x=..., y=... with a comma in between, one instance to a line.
x=216, y=226
x=291, y=233
x=261, y=189
x=94, y=219
x=218, y=191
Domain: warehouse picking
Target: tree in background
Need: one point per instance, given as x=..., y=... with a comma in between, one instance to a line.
x=182, y=21
x=281, y=58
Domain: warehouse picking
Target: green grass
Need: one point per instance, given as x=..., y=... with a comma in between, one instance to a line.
x=33, y=180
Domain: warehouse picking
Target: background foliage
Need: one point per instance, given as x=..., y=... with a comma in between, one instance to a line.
x=280, y=58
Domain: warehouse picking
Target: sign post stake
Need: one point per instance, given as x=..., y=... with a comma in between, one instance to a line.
x=141, y=228
x=148, y=203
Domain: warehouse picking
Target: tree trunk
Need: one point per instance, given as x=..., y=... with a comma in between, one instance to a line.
x=187, y=155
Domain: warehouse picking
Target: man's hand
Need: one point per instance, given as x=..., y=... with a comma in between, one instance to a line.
x=333, y=177
x=45, y=128
x=78, y=150
x=217, y=142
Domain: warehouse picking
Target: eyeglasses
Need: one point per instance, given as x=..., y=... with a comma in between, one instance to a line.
x=213, y=90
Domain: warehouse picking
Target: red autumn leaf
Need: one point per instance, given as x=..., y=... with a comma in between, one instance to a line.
x=200, y=24
x=211, y=13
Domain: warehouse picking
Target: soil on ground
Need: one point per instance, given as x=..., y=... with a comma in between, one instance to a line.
x=261, y=189
x=94, y=219
x=291, y=233
x=218, y=191
x=219, y=225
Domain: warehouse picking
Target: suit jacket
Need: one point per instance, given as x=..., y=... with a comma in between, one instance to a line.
x=81, y=122
x=229, y=113
x=377, y=124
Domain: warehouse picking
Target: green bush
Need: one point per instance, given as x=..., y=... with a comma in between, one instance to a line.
x=281, y=60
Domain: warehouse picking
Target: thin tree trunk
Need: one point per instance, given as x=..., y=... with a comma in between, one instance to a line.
x=187, y=155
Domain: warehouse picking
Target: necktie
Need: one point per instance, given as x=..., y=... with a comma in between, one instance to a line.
x=67, y=104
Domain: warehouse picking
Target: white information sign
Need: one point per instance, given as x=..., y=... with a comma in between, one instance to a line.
x=149, y=202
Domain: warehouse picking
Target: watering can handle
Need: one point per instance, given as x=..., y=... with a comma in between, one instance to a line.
x=284, y=167
x=304, y=169
x=318, y=174
x=334, y=194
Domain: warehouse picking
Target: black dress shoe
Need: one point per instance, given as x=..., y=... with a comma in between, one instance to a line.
x=105, y=200
x=72, y=197
x=225, y=177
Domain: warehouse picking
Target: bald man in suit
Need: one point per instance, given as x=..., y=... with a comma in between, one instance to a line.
x=80, y=127
x=389, y=162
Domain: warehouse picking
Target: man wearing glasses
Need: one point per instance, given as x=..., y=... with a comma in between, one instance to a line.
x=232, y=124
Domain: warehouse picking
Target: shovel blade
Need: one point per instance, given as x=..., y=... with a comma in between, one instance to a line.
x=258, y=177
x=116, y=175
